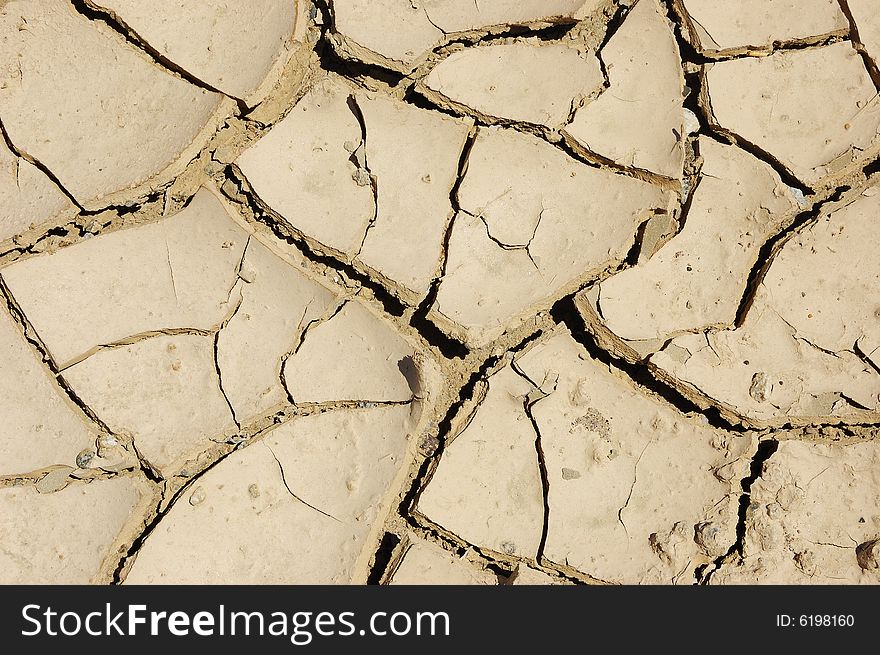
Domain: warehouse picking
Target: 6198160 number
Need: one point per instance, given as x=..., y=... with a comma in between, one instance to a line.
x=815, y=620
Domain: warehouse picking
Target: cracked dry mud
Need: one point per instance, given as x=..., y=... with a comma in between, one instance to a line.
x=439, y=292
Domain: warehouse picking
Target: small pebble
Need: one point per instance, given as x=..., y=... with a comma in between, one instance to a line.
x=570, y=474
x=83, y=459
x=361, y=177
x=197, y=497
x=108, y=441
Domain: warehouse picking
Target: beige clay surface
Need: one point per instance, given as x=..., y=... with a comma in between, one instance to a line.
x=611, y=461
x=427, y=563
x=67, y=537
x=230, y=46
x=382, y=196
x=330, y=201
x=695, y=280
x=28, y=197
x=307, y=496
x=638, y=122
x=800, y=353
x=517, y=292
x=47, y=427
x=814, y=110
x=488, y=490
x=516, y=242
x=813, y=518
x=867, y=21
x=176, y=273
x=513, y=82
x=526, y=575
x=397, y=34
x=721, y=26
x=86, y=140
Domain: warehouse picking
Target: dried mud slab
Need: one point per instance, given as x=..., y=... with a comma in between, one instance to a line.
x=377, y=186
x=28, y=198
x=351, y=356
x=425, y=563
x=362, y=361
x=229, y=46
x=638, y=122
x=177, y=273
x=454, y=16
x=524, y=81
x=299, y=507
x=487, y=488
x=813, y=518
x=73, y=536
x=399, y=34
x=721, y=27
x=697, y=278
x=41, y=427
x=152, y=336
x=327, y=199
x=127, y=281
x=225, y=333
x=390, y=33
x=413, y=158
x=815, y=110
x=526, y=575
x=278, y=304
x=164, y=391
x=206, y=327
x=803, y=352
x=624, y=505
x=526, y=233
x=50, y=54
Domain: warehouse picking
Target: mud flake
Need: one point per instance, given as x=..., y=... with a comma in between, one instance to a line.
x=564, y=203
x=87, y=140
x=425, y=563
x=277, y=306
x=229, y=46
x=526, y=575
x=414, y=155
x=352, y=356
x=322, y=200
x=867, y=21
x=638, y=122
x=806, y=343
x=28, y=198
x=696, y=280
x=175, y=410
x=465, y=15
x=517, y=81
x=176, y=273
x=67, y=537
x=302, y=467
x=398, y=34
x=392, y=33
x=814, y=536
x=40, y=426
x=633, y=503
x=815, y=110
x=487, y=488
x=755, y=24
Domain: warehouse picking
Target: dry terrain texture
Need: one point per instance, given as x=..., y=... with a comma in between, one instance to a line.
x=439, y=291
